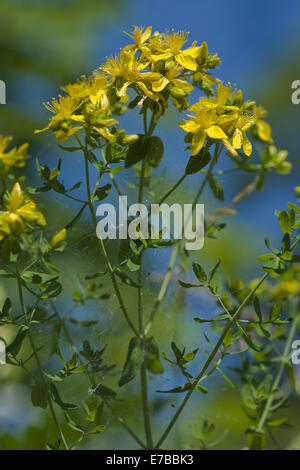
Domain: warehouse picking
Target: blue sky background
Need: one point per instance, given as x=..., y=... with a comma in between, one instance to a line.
x=254, y=40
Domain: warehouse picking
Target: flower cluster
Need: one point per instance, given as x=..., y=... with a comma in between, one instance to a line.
x=225, y=117
x=15, y=157
x=20, y=213
x=156, y=66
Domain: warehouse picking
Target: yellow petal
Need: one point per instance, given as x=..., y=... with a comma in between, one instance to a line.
x=77, y=117
x=247, y=146
x=189, y=126
x=215, y=132
x=198, y=142
x=264, y=131
x=104, y=132
x=237, y=140
x=192, y=51
x=123, y=91
x=229, y=147
x=38, y=131
x=185, y=86
x=157, y=57
x=15, y=198
x=187, y=61
x=146, y=34
x=159, y=85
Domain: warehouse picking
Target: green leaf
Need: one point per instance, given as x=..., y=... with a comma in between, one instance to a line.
x=56, y=397
x=188, y=357
x=275, y=311
x=291, y=376
x=102, y=193
x=214, y=280
x=197, y=162
x=73, y=425
x=126, y=279
x=136, y=152
x=256, y=305
x=178, y=354
x=199, y=272
x=187, y=285
x=149, y=148
x=152, y=359
x=6, y=309
x=98, y=429
x=105, y=392
x=39, y=396
x=260, y=180
x=216, y=187
x=76, y=218
x=229, y=338
x=14, y=347
x=69, y=149
x=134, y=360
x=185, y=388
x=266, y=258
x=277, y=423
x=285, y=223
x=154, y=150
x=35, y=277
x=95, y=416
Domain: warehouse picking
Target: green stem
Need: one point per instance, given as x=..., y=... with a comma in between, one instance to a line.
x=75, y=198
x=279, y=374
x=113, y=180
x=52, y=411
x=74, y=349
x=172, y=189
x=163, y=288
x=168, y=274
x=143, y=371
x=209, y=361
x=101, y=244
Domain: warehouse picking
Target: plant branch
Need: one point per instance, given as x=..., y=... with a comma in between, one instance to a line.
x=42, y=376
x=211, y=357
x=101, y=244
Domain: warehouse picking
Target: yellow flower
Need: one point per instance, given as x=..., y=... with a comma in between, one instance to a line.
x=297, y=189
x=240, y=138
x=16, y=156
x=213, y=118
x=286, y=288
x=264, y=129
x=19, y=212
x=93, y=89
x=218, y=118
x=62, y=123
x=202, y=124
x=140, y=35
x=170, y=47
x=125, y=71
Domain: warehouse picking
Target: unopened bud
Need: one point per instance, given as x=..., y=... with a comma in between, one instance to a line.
x=58, y=239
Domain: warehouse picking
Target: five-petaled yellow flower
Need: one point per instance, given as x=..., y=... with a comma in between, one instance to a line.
x=20, y=212
x=14, y=157
x=62, y=123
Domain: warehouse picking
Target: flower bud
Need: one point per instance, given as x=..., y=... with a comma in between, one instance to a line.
x=58, y=239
